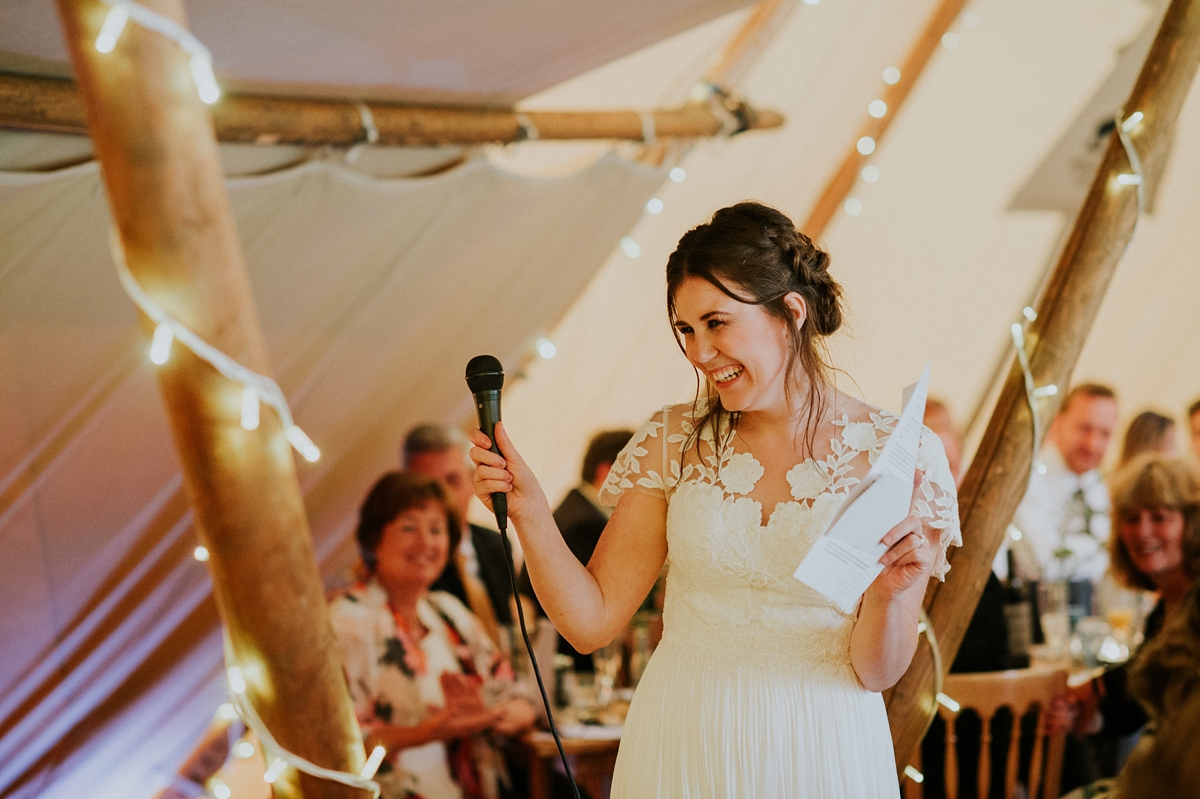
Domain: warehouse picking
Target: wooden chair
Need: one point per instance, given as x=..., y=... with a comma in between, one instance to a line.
x=1019, y=690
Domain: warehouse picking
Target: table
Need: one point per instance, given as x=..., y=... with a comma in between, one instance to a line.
x=593, y=761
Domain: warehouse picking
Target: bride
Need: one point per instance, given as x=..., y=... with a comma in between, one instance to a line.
x=761, y=686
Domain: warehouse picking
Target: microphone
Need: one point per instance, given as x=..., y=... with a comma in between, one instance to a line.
x=485, y=378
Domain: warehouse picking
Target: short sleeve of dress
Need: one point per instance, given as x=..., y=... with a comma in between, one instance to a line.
x=937, y=498
x=645, y=464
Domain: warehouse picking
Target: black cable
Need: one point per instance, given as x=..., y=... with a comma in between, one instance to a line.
x=512, y=576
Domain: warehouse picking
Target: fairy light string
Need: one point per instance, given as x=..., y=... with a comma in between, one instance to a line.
x=122, y=12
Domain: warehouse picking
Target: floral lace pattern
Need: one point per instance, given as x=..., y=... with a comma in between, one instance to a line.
x=730, y=591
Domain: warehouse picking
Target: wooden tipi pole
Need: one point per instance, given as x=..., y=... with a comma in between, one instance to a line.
x=52, y=105
x=154, y=140
x=842, y=181
x=996, y=480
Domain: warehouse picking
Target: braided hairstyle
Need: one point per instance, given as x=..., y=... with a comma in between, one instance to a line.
x=754, y=254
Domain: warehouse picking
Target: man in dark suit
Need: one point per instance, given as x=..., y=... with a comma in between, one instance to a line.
x=581, y=518
x=441, y=452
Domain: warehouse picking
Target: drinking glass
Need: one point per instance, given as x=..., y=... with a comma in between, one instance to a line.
x=1056, y=622
x=607, y=661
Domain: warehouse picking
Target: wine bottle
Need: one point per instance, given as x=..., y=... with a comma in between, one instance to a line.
x=1018, y=616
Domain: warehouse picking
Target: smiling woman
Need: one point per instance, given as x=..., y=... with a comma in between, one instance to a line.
x=427, y=683
x=761, y=685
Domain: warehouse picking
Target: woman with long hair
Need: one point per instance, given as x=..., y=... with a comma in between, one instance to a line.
x=761, y=686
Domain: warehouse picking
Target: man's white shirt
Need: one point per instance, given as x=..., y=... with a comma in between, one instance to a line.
x=1066, y=537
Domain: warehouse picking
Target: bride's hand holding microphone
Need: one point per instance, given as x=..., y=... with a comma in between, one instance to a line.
x=506, y=473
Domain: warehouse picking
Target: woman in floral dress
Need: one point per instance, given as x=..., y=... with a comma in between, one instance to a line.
x=426, y=681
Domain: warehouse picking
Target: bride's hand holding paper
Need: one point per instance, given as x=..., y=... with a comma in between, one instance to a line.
x=909, y=557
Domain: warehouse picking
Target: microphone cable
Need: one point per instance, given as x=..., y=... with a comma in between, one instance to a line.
x=512, y=576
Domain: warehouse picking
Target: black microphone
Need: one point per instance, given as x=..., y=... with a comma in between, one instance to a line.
x=485, y=378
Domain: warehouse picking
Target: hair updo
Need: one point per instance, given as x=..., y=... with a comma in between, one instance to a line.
x=754, y=254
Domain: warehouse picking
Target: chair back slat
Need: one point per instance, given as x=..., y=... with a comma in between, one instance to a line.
x=1019, y=690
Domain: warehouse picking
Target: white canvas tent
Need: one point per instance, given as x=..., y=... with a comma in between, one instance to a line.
x=375, y=287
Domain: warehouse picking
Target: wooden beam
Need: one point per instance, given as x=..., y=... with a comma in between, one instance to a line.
x=52, y=105
x=996, y=480
x=155, y=143
x=843, y=180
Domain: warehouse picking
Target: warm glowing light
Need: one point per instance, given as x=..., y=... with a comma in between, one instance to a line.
x=853, y=207
x=219, y=789
x=914, y=775
x=546, y=348
x=237, y=683
x=866, y=145
x=948, y=703
x=243, y=750
x=921, y=627
x=1013, y=532
x=1018, y=334
x=877, y=109
x=891, y=76
x=303, y=444
x=275, y=771
x=372, y=764
x=110, y=31
x=1129, y=179
x=200, y=553
x=654, y=206
x=1045, y=391
x=250, y=408
x=1040, y=467
x=870, y=173
x=227, y=711
x=677, y=174
x=160, y=345
x=205, y=80
x=1134, y=120
x=1029, y=313
x=950, y=40
x=631, y=247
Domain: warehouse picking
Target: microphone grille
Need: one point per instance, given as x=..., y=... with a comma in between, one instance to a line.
x=485, y=373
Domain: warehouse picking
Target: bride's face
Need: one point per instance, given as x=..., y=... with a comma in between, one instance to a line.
x=740, y=348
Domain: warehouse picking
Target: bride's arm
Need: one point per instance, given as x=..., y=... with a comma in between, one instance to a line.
x=588, y=605
x=885, y=634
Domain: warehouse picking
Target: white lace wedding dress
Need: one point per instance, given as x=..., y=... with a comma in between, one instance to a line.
x=751, y=693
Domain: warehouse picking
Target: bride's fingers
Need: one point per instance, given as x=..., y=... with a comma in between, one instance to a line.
x=908, y=526
x=910, y=547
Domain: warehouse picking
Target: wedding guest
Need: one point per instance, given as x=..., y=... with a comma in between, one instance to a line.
x=1148, y=432
x=1156, y=503
x=1063, y=518
x=476, y=572
x=426, y=681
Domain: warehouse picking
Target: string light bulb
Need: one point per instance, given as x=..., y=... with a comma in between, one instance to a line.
x=227, y=711
x=303, y=444
x=870, y=173
x=631, y=247
x=278, y=765
x=877, y=109
x=854, y=206
x=200, y=553
x=948, y=703
x=219, y=789
x=250, y=403
x=914, y=775
x=1133, y=121
x=243, y=750
x=1129, y=179
x=160, y=344
x=373, y=762
x=677, y=174
x=237, y=683
x=111, y=29
x=950, y=40
x=203, y=77
x=1029, y=313
x=891, y=76
x=654, y=205
x=545, y=348
x=866, y=145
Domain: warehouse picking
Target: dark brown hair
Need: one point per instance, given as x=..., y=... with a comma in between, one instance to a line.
x=1154, y=481
x=1090, y=390
x=755, y=254
x=1145, y=434
x=393, y=494
x=603, y=448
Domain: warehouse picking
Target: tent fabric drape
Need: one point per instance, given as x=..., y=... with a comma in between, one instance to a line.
x=373, y=295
